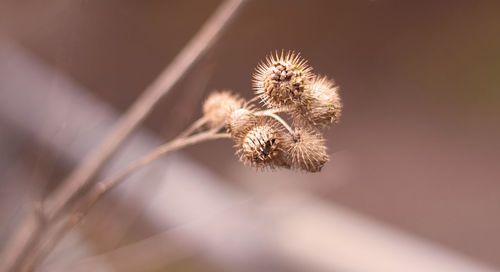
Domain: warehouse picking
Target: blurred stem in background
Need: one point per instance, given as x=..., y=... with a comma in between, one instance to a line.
x=58, y=231
x=32, y=229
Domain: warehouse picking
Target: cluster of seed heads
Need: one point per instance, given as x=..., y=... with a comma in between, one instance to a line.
x=285, y=84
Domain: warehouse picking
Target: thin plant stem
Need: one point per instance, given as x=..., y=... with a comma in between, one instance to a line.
x=193, y=51
x=268, y=111
x=279, y=119
x=104, y=186
x=33, y=226
x=193, y=127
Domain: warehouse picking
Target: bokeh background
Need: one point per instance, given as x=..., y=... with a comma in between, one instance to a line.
x=417, y=150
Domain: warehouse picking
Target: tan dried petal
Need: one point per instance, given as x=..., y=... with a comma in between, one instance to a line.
x=306, y=150
x=219, y=105
x=281, y=79
x=320, y=104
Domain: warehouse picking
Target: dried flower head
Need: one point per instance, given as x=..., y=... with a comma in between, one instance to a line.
x=261, y=145
x=281, y=79
x=240, y=121
x=286, y=85
x=218, y=107
x=320, y=104
x=306, y=150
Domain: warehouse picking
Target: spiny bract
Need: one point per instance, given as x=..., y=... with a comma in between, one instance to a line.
x=319, y=105
x=281, y=79
x=240, y=121
x=286, y=85
x=219, y=105
x=261, y=145
x=306, y=150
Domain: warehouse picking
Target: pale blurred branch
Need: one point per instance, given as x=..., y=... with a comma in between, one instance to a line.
x=147, y=254
x=104, y=186
x=31, y=229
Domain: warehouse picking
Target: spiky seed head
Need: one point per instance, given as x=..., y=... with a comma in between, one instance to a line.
x=320, y=104
x=281, y=79
x=219, y=105
x=306, y=150
x=261, y=145
x=240, y=121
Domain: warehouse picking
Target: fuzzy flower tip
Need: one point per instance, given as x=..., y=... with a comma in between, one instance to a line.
x=320, y=104
x=306, y=150
x=219, y=106
x=281, y=79
x=261, y=145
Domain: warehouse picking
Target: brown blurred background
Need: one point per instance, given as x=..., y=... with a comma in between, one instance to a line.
x=419, y=143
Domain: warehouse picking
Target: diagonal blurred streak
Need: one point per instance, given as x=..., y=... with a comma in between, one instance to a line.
x=227, y=225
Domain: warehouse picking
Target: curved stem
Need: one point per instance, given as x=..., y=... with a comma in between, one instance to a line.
x=104, y=186
x=279, y=119
x=175, y=144
x=268, y=111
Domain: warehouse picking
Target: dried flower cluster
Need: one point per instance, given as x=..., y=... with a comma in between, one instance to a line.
x=285, y=84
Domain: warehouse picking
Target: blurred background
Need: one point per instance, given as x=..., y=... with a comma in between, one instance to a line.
x=413, y=183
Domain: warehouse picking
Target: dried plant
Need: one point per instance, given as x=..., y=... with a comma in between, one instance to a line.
x=219, y=106
x=285, y=84
x=281, y=79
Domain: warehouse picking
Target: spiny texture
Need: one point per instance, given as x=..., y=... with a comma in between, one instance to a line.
x=240, y=121
x=281, y=79
x=320, y=104
x=260, y=146
x=219, y=106
x=286, y=85
x=306, y=150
